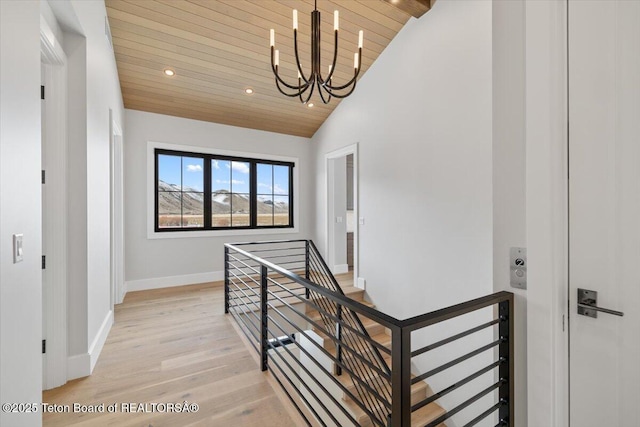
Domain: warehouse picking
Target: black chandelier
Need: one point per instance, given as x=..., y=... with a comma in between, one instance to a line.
x=306, y=84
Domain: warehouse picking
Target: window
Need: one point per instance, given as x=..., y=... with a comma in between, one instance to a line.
x=196, y=191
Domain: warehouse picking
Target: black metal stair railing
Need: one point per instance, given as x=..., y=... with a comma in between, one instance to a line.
x=272, y=287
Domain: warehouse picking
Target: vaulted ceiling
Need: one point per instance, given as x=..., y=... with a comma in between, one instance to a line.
x=219, y=48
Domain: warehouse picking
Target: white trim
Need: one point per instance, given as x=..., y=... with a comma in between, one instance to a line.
x=170, y=281
x=78, y=366
x=340, y=268
x=547, y=208
x=116, y=184
x=55, y=210
x=98, y=342
x=152, y=234
x=341, y=152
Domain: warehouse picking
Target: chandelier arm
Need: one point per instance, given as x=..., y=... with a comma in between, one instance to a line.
x=320, y=87
x=310, y=93
x=278, y=79
x=295, y=49
x=350, y=82
x=345, y=94
x=291, y=95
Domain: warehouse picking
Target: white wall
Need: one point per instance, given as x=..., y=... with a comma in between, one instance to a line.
x=20, y=209
x=176, y=261
x=423, y=119
x=509, y=170
x=103, y=94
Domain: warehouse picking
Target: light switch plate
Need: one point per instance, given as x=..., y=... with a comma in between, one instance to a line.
x=518, y=267
x=18, y=255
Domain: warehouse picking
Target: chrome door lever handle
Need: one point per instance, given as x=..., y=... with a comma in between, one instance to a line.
x=587, y=301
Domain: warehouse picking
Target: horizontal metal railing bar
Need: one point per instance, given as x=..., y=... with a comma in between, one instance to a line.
x=455, y=361
x=295, y=374
x=324, y=389
x=246, y=332
x=335, y=340
x=304, y=417
x=312, y=302
x=250, y=311
x=374, y=314
x=242, y=262
x=484, y=415
x=302, y=396
x=453, y=338
x=437, y=316
x=455, y=386
x=278, y=249
x=464, y=404
x=330, y=375
x=269, y=242
x=336, y=361
x=382, y=376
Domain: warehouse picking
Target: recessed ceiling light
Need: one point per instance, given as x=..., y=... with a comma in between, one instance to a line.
x=169, y=72
x=248, y=91
x=310, y=105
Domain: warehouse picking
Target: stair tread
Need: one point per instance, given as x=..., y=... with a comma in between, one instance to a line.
x=419, y=418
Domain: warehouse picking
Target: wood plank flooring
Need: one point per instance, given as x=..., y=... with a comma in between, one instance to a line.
x=169, y=346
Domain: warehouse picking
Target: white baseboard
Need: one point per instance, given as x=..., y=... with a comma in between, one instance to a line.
x=98, y=342
x=78, y=366
x=167, y=282
x=340, y=268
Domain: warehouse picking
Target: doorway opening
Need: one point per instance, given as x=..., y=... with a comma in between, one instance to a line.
x=342, y=211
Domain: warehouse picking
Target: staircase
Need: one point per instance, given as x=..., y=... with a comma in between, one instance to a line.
x=419, y=391
x=341, y=362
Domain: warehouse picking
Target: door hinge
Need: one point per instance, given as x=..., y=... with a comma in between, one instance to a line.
x=563, y=323
x=44, y=346
x=44, y=262
x=43, y=177
x=41, y=92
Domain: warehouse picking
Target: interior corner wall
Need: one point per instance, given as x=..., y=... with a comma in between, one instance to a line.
x=170, y=261
x=94, y=91
x=509, y=172
x=422, y=118
x=20, y=210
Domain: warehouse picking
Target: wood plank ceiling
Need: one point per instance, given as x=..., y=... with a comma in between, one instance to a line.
x=218, y=48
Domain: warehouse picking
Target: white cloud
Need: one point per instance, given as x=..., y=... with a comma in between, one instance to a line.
x=215, y=164
x=240, y=167
x=235, y=181
x=194, y=168
x=276, y=190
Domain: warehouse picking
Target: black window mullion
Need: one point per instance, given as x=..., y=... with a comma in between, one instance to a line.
x=253, y=194
x=157, y=198
x=290, y=196
x=207, y=196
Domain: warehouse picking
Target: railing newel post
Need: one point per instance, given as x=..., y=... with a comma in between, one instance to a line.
x=306, y=266
x=338, y=369
x=226, y=280
x=400, y=377
x=264, y=339
x=506, y=352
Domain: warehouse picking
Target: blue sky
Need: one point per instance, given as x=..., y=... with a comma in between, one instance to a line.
x=225, y=175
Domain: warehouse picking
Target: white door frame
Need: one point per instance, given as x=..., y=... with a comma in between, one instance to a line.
x=336, y=154
x=547, y=213
x=54, y=154
x=117, y=212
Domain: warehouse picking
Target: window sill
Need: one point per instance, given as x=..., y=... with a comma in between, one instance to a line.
x=151, y=235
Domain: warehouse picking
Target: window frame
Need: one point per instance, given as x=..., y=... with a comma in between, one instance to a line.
x=208, y=154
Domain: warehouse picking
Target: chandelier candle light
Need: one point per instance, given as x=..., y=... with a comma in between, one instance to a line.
x=306, y=84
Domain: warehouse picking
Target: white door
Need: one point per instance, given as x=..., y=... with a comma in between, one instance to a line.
x=604, y=211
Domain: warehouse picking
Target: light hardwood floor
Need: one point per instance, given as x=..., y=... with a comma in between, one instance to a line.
x=173, y=345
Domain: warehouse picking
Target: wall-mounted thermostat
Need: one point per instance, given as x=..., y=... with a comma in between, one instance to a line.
x=518, y=267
